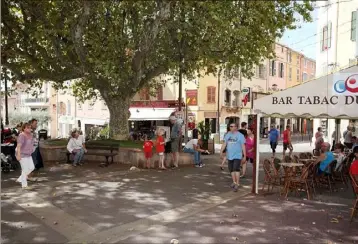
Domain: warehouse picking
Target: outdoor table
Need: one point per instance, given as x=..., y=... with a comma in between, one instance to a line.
x=289, y=169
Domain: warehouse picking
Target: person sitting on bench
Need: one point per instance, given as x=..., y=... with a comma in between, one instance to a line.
x=194, y=147
x=76, y=146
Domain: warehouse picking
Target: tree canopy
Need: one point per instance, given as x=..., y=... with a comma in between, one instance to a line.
x=114, y=48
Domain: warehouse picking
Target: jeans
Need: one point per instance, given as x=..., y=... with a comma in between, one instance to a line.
x=27, y=166
x=196, y=154
x=37, y=158
x=78, y=156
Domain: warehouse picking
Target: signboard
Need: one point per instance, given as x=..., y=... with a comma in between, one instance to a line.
x=223, y=130
x=246, y=97
x=191, y=97
x=345, y=84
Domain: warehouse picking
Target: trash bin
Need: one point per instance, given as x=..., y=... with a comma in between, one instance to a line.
x=42, y=134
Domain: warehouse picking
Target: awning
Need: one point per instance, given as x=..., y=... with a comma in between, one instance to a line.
x=331, y=96
x=140, y=114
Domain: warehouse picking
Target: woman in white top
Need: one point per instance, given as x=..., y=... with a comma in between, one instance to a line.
x=76, y=146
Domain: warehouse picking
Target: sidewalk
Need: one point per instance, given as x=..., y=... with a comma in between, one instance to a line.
x=194, y=205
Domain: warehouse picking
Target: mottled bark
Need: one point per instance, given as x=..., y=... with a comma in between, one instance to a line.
x=119, y=115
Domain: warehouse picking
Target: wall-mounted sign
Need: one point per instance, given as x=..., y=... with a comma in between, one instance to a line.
x=315, y=100
x=246, y=97
x=191, y=97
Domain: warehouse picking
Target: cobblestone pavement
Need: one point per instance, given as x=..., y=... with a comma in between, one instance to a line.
x=193, y=205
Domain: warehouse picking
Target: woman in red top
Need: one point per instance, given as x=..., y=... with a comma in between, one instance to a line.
x=353, y=170
x=160, y=146
x=287, y=141
x=148, y=148
x=250, y=144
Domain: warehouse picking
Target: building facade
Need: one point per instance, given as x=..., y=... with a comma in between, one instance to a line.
x=336, y=48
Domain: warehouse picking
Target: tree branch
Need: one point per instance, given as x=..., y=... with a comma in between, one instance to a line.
x=148, y=39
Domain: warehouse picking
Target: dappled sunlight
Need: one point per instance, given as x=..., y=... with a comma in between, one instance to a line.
x=272, y=208
x=19, y=224
x=103, y=225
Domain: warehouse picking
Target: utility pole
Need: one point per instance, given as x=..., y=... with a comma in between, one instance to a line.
x=180, y=86
x=6, y=99
x=218, y=112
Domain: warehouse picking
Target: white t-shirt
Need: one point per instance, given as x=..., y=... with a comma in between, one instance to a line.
x=75, y=143
x=191, y=143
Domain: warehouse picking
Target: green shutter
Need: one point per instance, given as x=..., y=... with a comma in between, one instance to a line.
x=354, y=26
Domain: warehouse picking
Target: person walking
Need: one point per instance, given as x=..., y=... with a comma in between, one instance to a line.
x=250, y=145
x=243, y=129
x=274, y=134
x=287, y=143
x=224, y=159
x=36, y=155
x=76, y=146
x=24, y=150
x=235, y=153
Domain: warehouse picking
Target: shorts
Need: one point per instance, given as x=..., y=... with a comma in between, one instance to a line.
x=175, y=145
x=161, y=154
x=234, y=165
x=250, y=160
x=287, y=145
x=273, y=146
x=148, y=155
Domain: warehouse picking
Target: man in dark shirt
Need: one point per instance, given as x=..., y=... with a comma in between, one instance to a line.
x=243, y=129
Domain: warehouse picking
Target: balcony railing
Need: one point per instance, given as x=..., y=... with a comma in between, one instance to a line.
x=37, y=100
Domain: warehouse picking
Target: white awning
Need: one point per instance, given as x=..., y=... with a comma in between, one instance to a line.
x=138, y=114
x=332, y=96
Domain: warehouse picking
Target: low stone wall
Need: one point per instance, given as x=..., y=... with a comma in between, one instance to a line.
x=130, y=156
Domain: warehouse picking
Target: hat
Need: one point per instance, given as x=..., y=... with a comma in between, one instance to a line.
x=172, y=118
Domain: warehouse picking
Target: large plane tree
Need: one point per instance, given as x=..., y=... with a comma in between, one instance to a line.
x=114, y=48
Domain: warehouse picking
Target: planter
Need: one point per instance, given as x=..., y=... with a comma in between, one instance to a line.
x=130, y=156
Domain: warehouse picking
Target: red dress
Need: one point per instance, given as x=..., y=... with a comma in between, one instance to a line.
x=148, y=147
x=354, y=168
x=160, y=144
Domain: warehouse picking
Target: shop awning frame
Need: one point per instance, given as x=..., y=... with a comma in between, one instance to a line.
x=150, y=114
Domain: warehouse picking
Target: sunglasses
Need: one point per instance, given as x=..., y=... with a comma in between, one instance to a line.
x=232, y=126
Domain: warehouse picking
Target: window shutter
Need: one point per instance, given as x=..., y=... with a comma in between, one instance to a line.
x=213, y=94
x=208, y=94
x=329, y=35
x=354, y=26
x=270, y=71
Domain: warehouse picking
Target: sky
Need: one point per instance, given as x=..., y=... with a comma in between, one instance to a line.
x=303, y=39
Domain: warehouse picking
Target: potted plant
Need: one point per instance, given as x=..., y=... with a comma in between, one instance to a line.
x=204, y=130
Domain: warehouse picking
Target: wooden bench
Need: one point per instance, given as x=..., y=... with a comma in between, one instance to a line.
x=113, y=151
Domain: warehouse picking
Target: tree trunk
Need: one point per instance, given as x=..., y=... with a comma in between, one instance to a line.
x=118, y=120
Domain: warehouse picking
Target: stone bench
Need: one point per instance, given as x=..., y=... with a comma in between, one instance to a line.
x=129, y=156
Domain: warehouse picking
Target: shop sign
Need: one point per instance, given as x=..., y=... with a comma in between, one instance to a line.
x=315, y=100
x=191, y=97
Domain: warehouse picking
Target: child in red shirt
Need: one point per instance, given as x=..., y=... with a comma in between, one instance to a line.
x=160, y=148
x=148, y=148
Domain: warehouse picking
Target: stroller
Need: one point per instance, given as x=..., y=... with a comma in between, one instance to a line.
x=7, y=163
